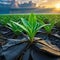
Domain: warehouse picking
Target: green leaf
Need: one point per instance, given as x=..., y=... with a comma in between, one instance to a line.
x=26, y=24
x=48, y=28
x=4, y=22
x=14, y=28
x=32, y=20
x=44, y=25
x=21, y=26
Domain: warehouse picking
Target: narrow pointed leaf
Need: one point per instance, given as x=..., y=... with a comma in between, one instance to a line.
x=21, y=26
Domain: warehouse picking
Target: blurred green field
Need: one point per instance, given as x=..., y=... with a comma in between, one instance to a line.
x=39, y=16
x=45, y=17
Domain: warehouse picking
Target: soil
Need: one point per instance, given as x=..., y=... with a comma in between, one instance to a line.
x=53, y=38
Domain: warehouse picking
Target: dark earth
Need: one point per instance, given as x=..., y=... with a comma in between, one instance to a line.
x=11, y=49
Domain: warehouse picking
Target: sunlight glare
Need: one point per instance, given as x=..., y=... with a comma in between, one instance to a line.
x=57, y=6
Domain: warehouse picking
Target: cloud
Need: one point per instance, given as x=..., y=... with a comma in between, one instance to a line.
x=44, y=0
x=4, y=3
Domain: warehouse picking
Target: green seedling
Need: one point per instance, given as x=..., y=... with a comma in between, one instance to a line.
x=4, y=22
x=30, y=26
x=48, y=28
x=16, y=29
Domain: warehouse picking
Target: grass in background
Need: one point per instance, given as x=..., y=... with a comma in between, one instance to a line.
x=16, y=17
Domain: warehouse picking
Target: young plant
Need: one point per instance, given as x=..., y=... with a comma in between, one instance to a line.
x=16, y=29
x=58, y=24
x=4, y=22
x=30, y=26
x=48, y=28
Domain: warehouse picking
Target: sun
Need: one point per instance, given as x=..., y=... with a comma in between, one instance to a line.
x=57, y=5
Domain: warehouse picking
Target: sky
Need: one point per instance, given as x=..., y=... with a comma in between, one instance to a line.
x=39, y=1
x=46, y=3
x=50, y=3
